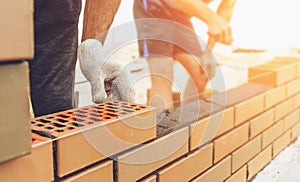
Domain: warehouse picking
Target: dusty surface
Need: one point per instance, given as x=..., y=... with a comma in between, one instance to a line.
x=285, y=167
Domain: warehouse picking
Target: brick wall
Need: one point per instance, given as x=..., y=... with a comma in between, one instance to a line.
x=234, y=135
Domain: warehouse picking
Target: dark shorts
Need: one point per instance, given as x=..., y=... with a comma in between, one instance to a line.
x=52, y=71
x=164, y=30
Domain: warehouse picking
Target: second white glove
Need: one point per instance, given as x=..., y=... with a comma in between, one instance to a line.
x=109, y=80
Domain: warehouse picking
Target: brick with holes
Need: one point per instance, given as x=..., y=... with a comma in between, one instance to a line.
x=89, y=134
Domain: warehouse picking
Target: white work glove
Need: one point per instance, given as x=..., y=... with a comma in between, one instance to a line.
x=109, y=80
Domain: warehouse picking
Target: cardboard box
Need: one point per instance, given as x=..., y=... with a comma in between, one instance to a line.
x=16, y=33
x=15, y=130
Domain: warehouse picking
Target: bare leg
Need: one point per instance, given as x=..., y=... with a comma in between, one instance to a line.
x=198, y=78
x=161, y=70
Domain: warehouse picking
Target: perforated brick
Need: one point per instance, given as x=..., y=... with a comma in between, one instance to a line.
x=100, y=131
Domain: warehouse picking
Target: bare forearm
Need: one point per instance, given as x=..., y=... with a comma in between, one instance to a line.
x=98, y=17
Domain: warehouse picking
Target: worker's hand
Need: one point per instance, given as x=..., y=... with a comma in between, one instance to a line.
x=109, y=81
x=220, y=30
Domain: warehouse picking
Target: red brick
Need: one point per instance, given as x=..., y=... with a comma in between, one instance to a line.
x=291, y=119
x=281, y=143
x=149, y=157
x=284, y=108
x=239, y=176
x=261, y=122
x=122, y=124
x=272, y=133
x=248, y=109
x=103, y=172
x=210, y=127
x=229, y=142
x=274, y=96
x=35, y=167
x=293, y=87
x=295, y=131
x=218, y=172
x=189, y=167
x=245, y=153
x=260, y=161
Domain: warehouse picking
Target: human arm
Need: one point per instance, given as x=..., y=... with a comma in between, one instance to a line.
x=98, y=17
x=218, y=27
x=225, y=10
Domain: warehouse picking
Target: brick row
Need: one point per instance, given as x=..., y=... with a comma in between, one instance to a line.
x=245, y=153
x=90, y=134
x=207, y=129
x=239, y=176
x=103, y=172
x=138, y=163
x=219, y=172
x=281, y=143
x=261, y=160
x=272, y=73
x=189, y=167
x=226, y=144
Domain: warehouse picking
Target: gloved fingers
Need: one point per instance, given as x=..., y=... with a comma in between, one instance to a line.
x=91, y=57
x=98, y=91
x=121, y=87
